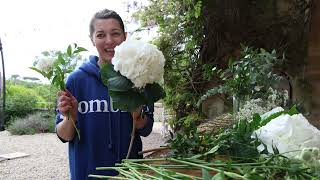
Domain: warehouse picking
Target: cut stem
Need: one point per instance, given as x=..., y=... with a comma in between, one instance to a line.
x=74, y=125
x=105, y=177
x=133, y=132
x=152, y=150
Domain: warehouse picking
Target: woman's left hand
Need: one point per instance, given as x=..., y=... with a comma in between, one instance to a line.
x=139, y=120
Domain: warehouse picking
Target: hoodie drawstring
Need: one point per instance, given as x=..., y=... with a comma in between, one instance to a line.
x=119, y=135
x=110, y=144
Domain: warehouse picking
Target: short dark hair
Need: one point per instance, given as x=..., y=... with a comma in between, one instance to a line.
x=105, y=14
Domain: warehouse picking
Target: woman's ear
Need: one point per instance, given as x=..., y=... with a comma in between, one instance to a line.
x=125, y=35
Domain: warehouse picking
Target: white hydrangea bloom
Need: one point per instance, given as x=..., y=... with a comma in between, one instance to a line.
x=45, y=64
x=288, y=134
x=140, y=62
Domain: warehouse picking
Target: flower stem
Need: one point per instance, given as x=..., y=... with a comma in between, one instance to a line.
x=230, y=174
x=133, y=132
x=74, y=124
x=105, y=177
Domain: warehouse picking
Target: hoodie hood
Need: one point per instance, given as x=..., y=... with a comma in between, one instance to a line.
x=91, y=67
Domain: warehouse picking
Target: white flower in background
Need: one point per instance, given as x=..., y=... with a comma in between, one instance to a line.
x=277, y=97
x=45, y=64
x=140, y=62
x=260, y=106
x=251, y=107
x=288, y=134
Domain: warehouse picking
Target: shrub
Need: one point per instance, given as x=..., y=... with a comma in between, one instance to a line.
x=49, y=95
x=39, y=122
x=19, y=102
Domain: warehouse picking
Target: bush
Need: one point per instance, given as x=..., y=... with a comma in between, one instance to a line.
x=20, y=101
x=49, y=95
x=39, y=122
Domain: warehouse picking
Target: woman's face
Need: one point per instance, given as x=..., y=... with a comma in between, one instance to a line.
x=106, y=36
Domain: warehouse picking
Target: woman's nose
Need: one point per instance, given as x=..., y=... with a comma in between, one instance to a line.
x=108, y=39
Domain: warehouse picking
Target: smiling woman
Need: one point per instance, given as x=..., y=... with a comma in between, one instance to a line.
x=105, y=129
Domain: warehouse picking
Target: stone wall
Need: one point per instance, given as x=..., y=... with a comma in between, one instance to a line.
x=312, y=71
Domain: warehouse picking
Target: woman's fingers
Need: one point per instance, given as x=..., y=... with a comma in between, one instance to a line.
x=64, y=102
x=67, y=104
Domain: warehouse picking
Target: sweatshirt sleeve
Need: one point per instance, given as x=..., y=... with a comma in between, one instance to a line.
x=148, y=128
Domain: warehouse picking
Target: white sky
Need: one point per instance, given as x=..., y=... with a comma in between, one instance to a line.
x=28, y=27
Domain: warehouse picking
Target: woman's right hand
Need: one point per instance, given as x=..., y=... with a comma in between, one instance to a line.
x=67, y=103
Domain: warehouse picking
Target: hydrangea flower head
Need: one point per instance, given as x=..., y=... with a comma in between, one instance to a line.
x=289, y=134
x=140, y=62
x=45, y=64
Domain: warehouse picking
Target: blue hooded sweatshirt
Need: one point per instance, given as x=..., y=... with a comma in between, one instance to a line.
x=104, y=131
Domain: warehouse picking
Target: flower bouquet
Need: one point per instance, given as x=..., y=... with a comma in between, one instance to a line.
x=135, y=73
x=133, y=77
x=57, y=66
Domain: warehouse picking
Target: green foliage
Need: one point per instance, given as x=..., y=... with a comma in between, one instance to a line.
x=123, y=93
x=236, y=142
x=20, y=101
x=25, y=97
x=56, y=65
x=44, y=94
x=188, y=122
x=39, y=122
x=251, y=76
x=189, y=142
x=232, y=154
x=49, y=95
x=180, y=25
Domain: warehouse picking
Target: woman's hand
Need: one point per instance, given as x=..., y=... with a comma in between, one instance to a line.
x=139, y=120
x=68, y=106
x=67, y=103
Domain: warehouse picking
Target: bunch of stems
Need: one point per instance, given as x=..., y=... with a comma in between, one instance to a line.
x=168, y=168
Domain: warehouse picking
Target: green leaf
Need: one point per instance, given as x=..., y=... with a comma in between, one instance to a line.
x=61, y=60
x=205, y=174
x=107, y=71
x=41, y=72
x=198, y=8
x=119, y=83
x=256, y=120
x=268, y=119
x=218, y=176
x=293, y=110
x=54, y=81
x=127, y=101
x=69, y=51
x=153, y=92
x=114, y=80
x=212, y=151
x=80, y=49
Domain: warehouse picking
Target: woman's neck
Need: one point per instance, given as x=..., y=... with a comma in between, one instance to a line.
x=102, y=62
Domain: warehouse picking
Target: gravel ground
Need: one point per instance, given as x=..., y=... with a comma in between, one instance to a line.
x=48, y=158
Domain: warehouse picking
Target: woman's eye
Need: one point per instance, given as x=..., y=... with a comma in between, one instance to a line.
x=116, y=34
x=99, y=35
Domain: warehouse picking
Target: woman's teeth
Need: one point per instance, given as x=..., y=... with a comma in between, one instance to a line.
x=109, y=50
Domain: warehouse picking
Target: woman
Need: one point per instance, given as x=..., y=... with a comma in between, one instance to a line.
x=104, y=131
